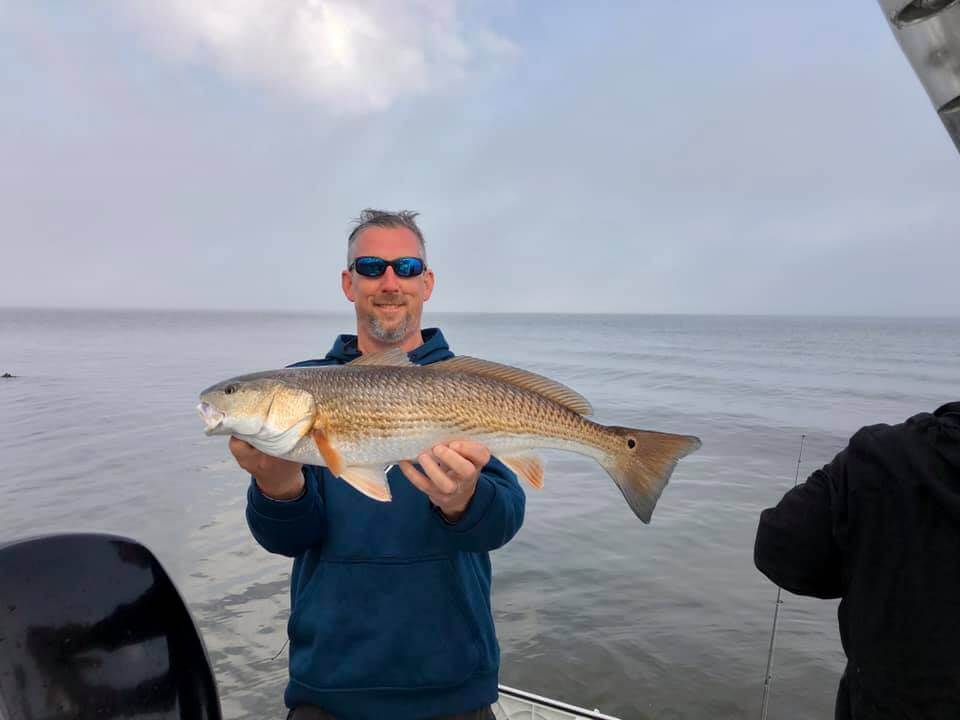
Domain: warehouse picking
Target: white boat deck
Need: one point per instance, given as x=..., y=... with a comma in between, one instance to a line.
x=516, y=704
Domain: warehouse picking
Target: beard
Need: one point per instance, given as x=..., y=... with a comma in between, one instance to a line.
x=390, y=334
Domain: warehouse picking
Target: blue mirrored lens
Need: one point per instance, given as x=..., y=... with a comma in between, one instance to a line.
x=371, y=266
x=408, y=266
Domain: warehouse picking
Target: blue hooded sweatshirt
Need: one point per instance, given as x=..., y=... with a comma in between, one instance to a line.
x=390, y=613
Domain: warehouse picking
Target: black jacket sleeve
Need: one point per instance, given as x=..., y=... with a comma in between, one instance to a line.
x=796, y=547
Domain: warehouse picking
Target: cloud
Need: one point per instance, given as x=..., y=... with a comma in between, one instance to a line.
x=351, y=56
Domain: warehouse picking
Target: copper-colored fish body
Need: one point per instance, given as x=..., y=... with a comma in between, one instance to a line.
x=382, y=409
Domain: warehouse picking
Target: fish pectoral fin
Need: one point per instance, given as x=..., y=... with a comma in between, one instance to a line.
x=331, y=458
x=368, y=479
x=394, y=357
x=528, y=467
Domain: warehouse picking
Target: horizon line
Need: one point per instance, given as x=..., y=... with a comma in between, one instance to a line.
x=593, y=313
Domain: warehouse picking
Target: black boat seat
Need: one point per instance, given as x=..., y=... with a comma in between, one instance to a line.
x=92, y=628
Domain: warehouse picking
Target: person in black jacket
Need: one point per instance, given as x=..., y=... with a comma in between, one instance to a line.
x=879, y=527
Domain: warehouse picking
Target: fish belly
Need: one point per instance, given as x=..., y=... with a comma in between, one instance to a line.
x=386, y=450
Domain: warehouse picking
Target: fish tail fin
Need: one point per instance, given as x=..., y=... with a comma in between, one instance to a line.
x=641, y=462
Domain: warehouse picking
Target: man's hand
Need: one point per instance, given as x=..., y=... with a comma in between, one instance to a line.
x=277, y=479
x=451, y=475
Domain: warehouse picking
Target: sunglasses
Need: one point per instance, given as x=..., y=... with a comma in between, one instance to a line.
x=373, y=267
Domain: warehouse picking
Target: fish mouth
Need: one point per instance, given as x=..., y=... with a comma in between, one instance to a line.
x=212, y=418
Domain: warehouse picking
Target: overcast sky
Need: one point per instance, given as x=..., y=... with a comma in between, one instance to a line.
x=605, y=156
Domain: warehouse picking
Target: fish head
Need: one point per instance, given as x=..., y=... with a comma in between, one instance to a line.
x=264, y=407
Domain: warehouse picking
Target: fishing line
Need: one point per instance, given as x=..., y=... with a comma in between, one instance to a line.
x=768, y=680
x=281, y=649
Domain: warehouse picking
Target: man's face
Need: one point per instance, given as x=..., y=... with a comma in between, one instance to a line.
x=388, y=307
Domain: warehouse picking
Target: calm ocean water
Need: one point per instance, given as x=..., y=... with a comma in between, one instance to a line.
x=671, y=620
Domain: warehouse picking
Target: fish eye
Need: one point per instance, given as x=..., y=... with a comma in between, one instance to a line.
x=231, y=389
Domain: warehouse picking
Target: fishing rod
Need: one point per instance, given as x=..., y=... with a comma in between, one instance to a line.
x=768, y=680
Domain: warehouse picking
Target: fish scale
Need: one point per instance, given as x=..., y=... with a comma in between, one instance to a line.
x=402, y=399
x=381, y=409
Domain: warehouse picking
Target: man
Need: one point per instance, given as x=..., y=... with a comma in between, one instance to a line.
x=880, y=527
x=390, y=602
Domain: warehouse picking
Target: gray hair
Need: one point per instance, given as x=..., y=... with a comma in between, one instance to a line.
x=384, y=218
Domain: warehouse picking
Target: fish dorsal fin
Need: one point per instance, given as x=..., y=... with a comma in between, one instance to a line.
x=394, y=357
x=525, y=379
